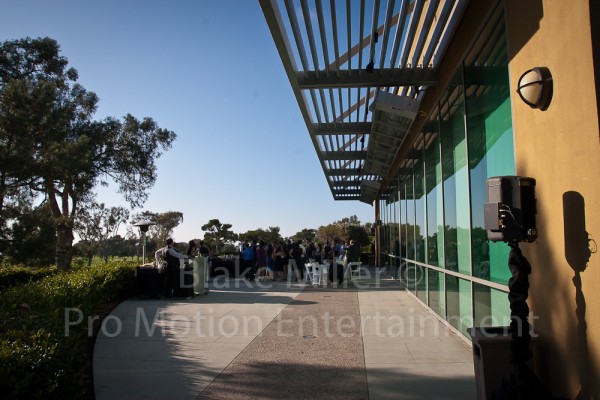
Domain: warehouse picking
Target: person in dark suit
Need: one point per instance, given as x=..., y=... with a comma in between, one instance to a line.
x=172, y=256
x=203, y=250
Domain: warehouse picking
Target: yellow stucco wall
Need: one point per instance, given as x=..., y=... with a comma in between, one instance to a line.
x=560, y=148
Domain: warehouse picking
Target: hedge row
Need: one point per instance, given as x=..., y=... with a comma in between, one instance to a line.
x=38, y=359
x=16, y=275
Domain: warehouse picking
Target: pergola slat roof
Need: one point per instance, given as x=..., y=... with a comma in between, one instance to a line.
x=339, y=54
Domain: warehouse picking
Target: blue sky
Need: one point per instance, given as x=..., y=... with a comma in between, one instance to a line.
x=209, y=71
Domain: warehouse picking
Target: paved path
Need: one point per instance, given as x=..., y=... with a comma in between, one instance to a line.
x=375, y=342
x=409, y=354
x=313, y=349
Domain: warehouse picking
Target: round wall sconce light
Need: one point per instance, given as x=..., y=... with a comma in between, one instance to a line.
x=535, y=87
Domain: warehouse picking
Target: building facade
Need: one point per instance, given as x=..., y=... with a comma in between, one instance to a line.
x=472, y=125
x=432, y=231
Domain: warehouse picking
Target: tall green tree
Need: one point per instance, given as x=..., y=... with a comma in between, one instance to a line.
x=345, y=229
x=270, y=235
x=216, y=234
x=32, y=237
x=308, y=234
x=353, y=220
x=50, y=146
x=330, y=233
x=26, y=91
x=118, y=246
x=165, y=224
x=357, y=233
x=96, y=224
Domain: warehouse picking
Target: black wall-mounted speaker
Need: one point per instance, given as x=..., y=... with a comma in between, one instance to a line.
x=510, y=209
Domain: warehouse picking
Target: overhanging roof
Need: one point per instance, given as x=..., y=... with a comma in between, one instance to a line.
x=339, y=55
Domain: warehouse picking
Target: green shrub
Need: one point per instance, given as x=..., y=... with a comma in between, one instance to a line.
x=16, y=275
x=37, y=358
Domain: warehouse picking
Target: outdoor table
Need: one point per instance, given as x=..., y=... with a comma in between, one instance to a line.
x=185, y=283
x=222, y=266
x=149, y=281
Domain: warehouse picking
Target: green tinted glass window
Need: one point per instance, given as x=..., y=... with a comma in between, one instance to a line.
x=421, y=282
x=394, y=267
x=411, y=277
x=419, y=195
x=457, y=230
x=410, y=218
x=391, y=223
x=382, y=231
x=490, y=140
x=395, y=243
x=403, y=218
x=491, y=306
x=436, y=293
x=458, y=295
x=467, y=140
x=452, y=301
x=433, y=188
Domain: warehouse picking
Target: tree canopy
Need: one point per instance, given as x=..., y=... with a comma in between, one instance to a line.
x=344, y=230
x=52, y=150
x=216, y=234
x=165, y=223
x=96, y=224
x=305, y=234
x=270, y=235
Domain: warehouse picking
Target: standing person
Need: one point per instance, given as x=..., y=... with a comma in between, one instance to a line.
x=192, y=250
x=172, y=256
x=336, y=269
x=270, y=262
x=254, y=245
x=248, y=256
x=291, y=261
x=326, y=253
x=373, y=260
x=241, y=248
x=261, y=260
x=337, y=249
x=329, y=256
x=303, y=252
x=299, y=258
x=279, y=256
x=311, y=251
x=353, y=252
x=295, y=262
x=318, y=253
x=203, y=250
x=292, y=267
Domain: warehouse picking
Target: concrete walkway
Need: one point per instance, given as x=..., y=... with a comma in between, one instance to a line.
x=276, y=340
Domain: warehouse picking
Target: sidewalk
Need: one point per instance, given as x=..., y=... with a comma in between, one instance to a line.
x=281, y=340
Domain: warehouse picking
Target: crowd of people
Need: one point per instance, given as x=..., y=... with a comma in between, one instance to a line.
x=283, y=261
x=267, y=261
